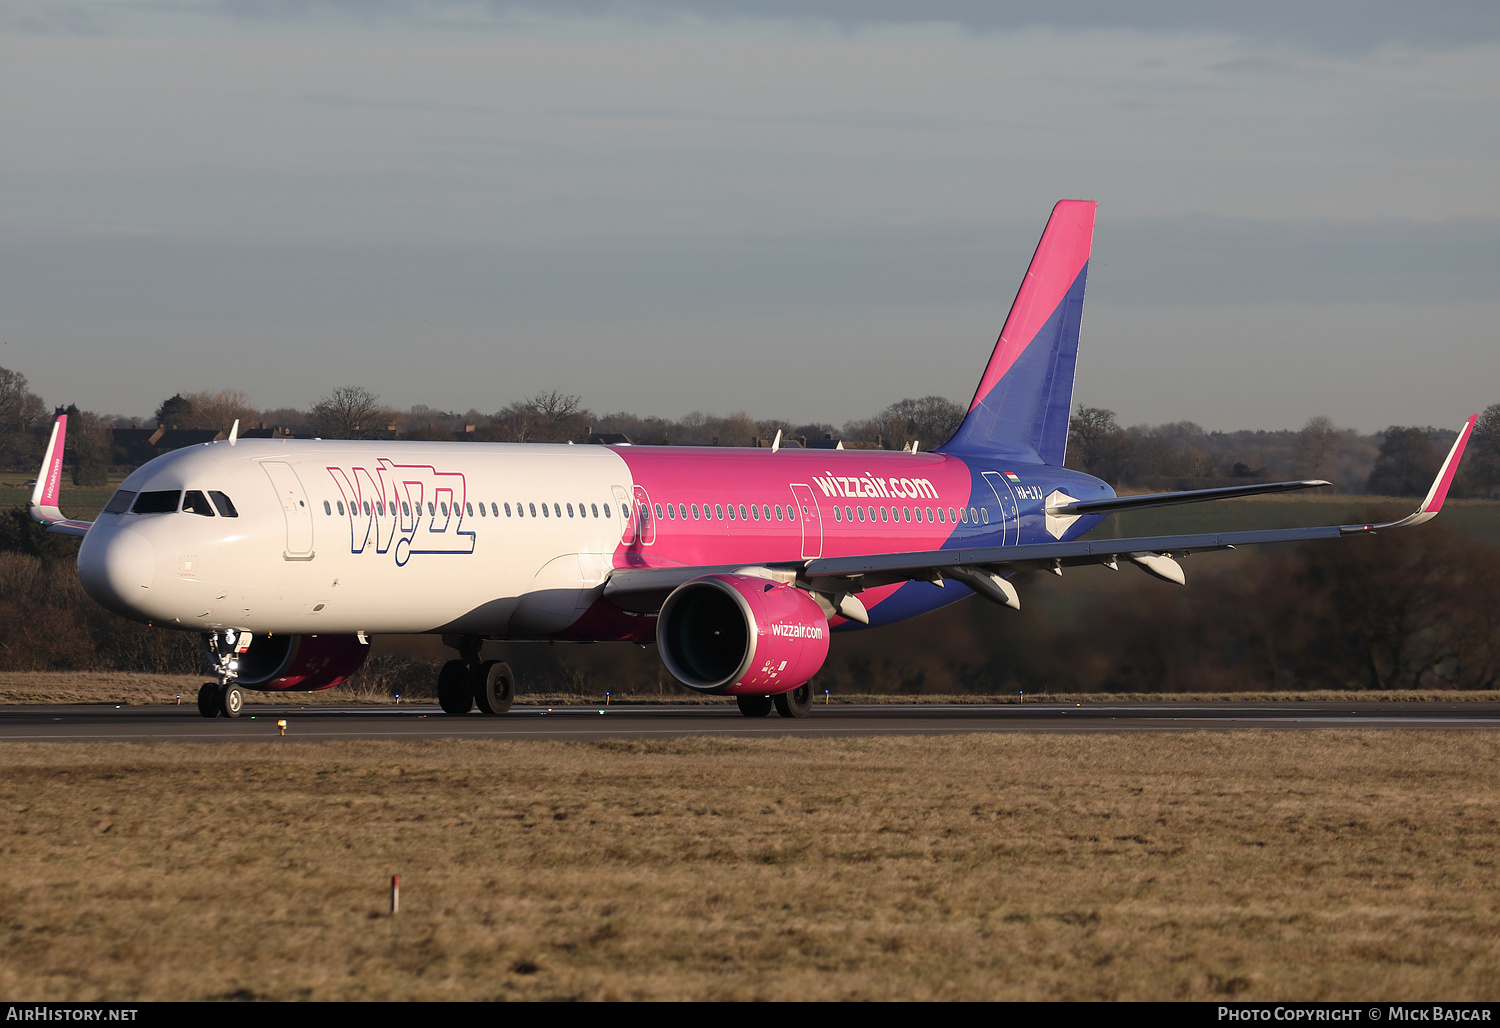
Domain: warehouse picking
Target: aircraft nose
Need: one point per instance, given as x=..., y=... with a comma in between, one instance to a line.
x=117, y=569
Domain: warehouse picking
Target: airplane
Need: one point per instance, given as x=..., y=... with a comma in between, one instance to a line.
x=287, y=556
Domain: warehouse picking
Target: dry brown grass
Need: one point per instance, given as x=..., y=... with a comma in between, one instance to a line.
x=1273, y=865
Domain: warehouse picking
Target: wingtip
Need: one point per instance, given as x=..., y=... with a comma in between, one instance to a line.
x=1439, y=491
x=48, y=489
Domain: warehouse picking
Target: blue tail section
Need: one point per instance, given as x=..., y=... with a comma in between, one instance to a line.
x=1023, y=402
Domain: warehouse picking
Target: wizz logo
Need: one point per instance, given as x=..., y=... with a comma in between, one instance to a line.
x=405, y=508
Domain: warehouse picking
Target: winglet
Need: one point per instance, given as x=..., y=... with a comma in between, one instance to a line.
x=1439, y=491
x=48, y=491
x=47, y=495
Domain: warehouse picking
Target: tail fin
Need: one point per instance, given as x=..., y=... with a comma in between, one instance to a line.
x=1022, y=405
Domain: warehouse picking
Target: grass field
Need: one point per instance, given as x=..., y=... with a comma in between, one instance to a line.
x=1195, y=866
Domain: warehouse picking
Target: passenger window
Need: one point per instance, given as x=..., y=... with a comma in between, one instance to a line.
x=545, y=512
x=120, y=502
x=861, y=513
x=507, y=511
x=341, y=506
x=791, y=512
x=984, y=515
x=431, y=509
x=594, y=507
x=496, y=510
x=570, y=511
x=765, y=509
x=160, y=501
x=606, y=510
x=754, y=512
x=468, y=508
x=482, y=512
x=837, y=515
x=557, y=510
x=194, y=502
x=718, y=512
x=778, y=512
x=682, y=511
x=742, y=512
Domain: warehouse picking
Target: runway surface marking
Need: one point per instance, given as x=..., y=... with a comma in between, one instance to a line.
x=101, y=722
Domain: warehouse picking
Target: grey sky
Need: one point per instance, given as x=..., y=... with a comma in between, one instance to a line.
x=667, y=206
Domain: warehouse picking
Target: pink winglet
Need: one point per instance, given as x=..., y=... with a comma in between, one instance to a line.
x=1439, y=491
x=49, y=486
x=1060, y=256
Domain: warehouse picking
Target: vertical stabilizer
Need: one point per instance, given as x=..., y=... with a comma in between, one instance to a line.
x=1023, y=401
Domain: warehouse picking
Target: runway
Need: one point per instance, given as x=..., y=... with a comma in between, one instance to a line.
x=160, y=724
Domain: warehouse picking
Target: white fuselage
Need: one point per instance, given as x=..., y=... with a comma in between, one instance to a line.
x=343, y=537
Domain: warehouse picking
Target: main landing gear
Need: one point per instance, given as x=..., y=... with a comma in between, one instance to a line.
x=223, y=698
x=469, y=682
x=788, y=704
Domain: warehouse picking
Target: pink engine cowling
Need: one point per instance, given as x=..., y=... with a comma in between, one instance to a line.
x=739, y=634
x=299, y=663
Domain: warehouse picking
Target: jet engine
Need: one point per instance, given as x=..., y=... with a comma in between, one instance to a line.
x=299, y=663
x=739, y=634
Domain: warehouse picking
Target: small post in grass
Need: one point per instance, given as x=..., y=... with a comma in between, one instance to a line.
x=282, y=725
x=395, y=893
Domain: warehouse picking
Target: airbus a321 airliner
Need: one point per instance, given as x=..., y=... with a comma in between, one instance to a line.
x=288, y=555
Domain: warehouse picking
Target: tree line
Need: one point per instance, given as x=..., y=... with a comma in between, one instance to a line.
x=1397, y=462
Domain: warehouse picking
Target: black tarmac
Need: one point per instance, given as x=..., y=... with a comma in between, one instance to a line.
x=161, y=724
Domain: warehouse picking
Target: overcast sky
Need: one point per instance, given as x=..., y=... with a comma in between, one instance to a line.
x=798, y=209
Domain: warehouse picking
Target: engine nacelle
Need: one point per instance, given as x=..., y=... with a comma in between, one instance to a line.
x=299, y=663
x=740, y=634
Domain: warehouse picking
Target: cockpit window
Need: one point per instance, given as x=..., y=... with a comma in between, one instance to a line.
x=120, y=502
x=160, y=501
x=226, y=507
x=194, y=502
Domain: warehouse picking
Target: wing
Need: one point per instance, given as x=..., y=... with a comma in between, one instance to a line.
x=983, y=569
x=44, y=498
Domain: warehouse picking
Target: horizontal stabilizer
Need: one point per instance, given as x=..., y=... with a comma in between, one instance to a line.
x=1116, y=504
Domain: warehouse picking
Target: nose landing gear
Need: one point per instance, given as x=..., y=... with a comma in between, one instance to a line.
x=223, y=698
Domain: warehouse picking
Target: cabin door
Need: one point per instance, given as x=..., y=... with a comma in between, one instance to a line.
x=812, y=524
x=299, y=518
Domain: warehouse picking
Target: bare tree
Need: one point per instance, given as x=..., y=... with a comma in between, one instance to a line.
x=1097, y=444
x=347, y=413
x=550, y=417
x=1315, y=445
x=20, y=408
x=220, y=410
